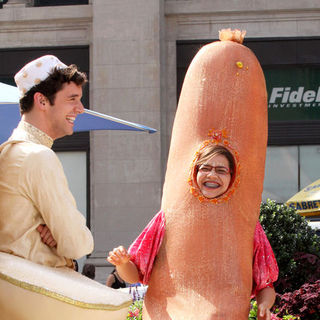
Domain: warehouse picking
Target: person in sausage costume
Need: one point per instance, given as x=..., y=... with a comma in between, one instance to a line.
x=207, y=251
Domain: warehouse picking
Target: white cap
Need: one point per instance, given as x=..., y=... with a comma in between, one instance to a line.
x=36, y=71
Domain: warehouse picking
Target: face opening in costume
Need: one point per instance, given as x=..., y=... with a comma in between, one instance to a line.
x=214, y=172
x=215, y=169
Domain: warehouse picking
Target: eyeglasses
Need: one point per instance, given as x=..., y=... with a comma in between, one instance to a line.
x=219, y=170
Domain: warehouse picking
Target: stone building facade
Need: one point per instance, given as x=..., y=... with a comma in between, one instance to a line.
x=132, y=49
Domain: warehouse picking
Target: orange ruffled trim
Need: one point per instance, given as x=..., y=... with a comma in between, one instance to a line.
x=216, y=137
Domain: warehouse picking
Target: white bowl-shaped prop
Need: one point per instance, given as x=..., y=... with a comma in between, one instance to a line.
x=30, y=291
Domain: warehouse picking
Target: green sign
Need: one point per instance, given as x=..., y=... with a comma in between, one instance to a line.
x=293, y=93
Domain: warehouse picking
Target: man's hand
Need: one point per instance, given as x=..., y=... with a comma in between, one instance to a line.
x=46, y=236
x=119, y=256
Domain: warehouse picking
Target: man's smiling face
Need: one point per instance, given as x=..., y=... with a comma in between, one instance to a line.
x=62, y=114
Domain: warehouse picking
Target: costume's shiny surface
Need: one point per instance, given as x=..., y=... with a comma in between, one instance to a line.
x=34, y=191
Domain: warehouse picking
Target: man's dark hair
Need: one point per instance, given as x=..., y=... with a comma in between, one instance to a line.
x=89, y=270
x=51, y=85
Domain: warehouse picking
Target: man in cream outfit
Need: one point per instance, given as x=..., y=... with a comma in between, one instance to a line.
x=39, y=220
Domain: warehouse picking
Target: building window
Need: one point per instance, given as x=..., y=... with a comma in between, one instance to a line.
x=290, y=169
x=2, y=2
x=46, y=3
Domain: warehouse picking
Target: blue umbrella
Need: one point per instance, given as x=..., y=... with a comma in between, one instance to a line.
x=89, y=120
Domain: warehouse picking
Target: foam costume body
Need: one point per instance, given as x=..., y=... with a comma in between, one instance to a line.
x=204, y=266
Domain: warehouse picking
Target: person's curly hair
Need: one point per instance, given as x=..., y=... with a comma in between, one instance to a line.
x=89, y=270
x=51, y=85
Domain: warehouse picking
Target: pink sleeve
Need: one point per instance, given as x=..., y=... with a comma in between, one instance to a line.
x=265, y=267
x=145, y=248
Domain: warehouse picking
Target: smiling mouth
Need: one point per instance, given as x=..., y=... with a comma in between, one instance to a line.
x=212, y=185
x=71, y=119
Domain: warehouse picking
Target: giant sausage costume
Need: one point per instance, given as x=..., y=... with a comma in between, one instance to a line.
x=204, y=267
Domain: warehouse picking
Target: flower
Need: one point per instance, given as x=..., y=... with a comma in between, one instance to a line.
x=135, y=310
x=134, y=314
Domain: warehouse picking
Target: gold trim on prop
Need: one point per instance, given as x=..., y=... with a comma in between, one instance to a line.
x=60, y=297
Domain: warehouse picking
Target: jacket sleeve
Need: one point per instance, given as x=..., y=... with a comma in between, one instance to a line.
x=265, y=267
x=47, y=187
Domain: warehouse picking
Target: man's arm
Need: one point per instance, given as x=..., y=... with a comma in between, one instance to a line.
x=46, y=185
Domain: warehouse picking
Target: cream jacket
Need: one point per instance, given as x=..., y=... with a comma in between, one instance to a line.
x=33, y=191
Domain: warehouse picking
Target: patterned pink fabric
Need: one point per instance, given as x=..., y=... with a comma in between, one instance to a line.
x=145, y=248
x=265, y=267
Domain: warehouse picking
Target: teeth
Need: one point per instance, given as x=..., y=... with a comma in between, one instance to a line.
x=71, y=119
x=212, y=184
